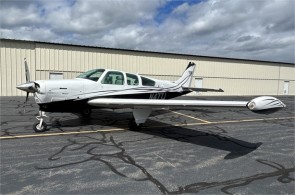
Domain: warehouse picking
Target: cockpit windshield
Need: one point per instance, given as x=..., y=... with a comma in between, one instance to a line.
x=93, y=75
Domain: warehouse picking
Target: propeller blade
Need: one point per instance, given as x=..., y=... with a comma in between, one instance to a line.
x=27, y=97
x=27, y=72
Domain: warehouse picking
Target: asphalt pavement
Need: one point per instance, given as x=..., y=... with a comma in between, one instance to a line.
x=202, y=151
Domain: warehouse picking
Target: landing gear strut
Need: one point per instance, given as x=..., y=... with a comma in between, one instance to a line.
x=40, y=126
x=140, y=116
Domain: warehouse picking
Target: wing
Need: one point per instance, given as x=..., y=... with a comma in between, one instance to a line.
x=259, y=103
x=132, y=103
x=143, y=107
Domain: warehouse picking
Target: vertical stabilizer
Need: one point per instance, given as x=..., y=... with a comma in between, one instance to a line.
x=186, y=78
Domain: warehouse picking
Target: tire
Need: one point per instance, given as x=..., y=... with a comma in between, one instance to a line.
x=133, y=126
x=37, y=129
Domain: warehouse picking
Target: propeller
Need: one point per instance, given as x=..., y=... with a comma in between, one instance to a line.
x=27, y=71
x=29, y=86
x=27, y=97
x=27, y=77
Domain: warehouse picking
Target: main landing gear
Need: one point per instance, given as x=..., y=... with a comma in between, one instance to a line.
x=140, y=116
x=40, y=126
x=133, y=125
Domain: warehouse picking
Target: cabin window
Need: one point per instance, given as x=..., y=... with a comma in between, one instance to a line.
x=93, y=75
x=147, y=82
x=113, y=78
x=132, y=79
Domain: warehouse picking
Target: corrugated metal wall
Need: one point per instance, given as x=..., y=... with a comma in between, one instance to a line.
x=12, y=65
x=236, y=77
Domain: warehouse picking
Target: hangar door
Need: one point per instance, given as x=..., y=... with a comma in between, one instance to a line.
x=56, y=76
x=199, y=83
x=286, y=87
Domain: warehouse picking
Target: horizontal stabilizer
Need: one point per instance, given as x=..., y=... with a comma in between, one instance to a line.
x=203, y=89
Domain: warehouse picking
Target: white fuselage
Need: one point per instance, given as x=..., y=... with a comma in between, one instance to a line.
x=79, y=89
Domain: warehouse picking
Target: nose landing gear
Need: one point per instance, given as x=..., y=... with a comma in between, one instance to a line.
x=40, y=126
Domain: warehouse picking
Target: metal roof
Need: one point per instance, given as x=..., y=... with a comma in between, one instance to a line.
x=146, y=51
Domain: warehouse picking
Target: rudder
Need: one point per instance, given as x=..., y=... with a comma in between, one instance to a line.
x=186, y=78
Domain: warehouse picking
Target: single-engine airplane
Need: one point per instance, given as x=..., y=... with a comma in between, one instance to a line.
x=106, y=88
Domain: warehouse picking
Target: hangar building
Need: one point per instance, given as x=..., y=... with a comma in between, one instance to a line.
x=65, y=61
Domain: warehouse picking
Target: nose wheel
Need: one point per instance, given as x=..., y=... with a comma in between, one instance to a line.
x=40, y=126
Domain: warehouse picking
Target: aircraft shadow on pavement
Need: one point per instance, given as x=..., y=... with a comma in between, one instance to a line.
x=209, y=136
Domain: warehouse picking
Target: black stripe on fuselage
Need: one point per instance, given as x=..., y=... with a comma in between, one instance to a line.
x=74, y=106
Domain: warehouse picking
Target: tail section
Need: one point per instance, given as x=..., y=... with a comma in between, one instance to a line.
x=186, y=78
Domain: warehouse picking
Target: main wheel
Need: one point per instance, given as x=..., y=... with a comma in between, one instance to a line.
x=133, y=126
x=39, y=129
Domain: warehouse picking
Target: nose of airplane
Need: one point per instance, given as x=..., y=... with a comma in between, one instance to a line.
x=27, y=87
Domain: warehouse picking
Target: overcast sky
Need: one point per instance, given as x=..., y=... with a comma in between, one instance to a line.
x=249, y=29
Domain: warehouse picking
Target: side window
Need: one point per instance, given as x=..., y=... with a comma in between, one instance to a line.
x=147, y=82
x=132, y=79
x=113, y=78
x=93, y=75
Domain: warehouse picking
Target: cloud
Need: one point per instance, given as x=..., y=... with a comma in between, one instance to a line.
x=27, y=33
x=262, y=30
x=182, y=9
x=131, y=36
x=237, y=28
x=19, y=15
x=87, y=17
